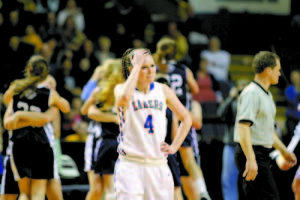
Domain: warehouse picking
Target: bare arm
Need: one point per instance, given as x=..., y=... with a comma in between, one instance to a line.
x=174, y=127
x=9, y=93
x=288, y=156
x=56, y=125
x=245, y=140
x=61, y=103
x=192, y=83
x=91, y=100
x=97, y=115
x=196, y=114
x=22, y=119
x=123, y=95
x=182, y=114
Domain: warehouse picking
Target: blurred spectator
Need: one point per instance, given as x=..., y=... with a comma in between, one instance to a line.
x=185, y=10
x=47, y=51
x=149, y=37
x=49, y=29
x=209, y=88
x=72, y=38
x=72, y=10
x=43, y=6
x=104, y=52
x=31, y=37
x=218, y=60
x=83, y=72
x=80, y=134
x=227, y=112
x=71, y=120
x=3, y=34
x=182, y=46
x=138, y=43
x=122, y=40
x=87, y=51
x=14, y=26
x=292, y=95
x=15, y=58
x=66, y=84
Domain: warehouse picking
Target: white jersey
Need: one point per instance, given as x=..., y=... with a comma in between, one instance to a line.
x=143, y=125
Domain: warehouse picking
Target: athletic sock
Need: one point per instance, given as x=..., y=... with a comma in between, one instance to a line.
x=200, y=184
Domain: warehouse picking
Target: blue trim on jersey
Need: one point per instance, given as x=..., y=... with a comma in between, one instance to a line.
x=151, y=87
x=116, y=168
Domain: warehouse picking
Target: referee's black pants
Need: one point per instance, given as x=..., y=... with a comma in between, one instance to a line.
x=264, y=186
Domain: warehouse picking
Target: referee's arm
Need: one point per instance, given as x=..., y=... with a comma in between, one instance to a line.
x=245, y=142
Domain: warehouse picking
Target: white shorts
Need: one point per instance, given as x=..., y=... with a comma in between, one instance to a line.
x=136, y=181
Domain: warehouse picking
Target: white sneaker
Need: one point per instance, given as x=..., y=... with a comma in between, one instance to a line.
x=205, y=196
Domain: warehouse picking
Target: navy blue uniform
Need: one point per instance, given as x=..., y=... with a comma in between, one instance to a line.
x=94, y=131
x=107, y=154
x=32, y=152
x=177, y=75
x=8, y=183
x=172, y=158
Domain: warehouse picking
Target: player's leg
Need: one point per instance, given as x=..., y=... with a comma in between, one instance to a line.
x=96, y=192
x=25, y=188
x=9, y=187
x=296, y=185
x=194, y=170
x=38, y=189
x=175, y=170
x=54, y=190
x=178, y=193
x=108, y=186
x=189, y=188
x=91, y=177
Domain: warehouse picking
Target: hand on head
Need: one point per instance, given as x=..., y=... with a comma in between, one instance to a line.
x=138, y=56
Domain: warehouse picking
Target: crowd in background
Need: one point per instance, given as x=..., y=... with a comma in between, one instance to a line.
x=75, y=37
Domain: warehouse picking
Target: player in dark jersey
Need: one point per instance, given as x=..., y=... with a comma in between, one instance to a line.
x=100, y=107
x=94, y=129
x=183, y=83
x=10, y=189
x=32, y=146
x=172, y=126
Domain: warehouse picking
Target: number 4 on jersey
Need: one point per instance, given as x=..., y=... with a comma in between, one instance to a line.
x=149, y=125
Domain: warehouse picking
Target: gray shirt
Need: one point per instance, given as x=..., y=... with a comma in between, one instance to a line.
x=256, y=105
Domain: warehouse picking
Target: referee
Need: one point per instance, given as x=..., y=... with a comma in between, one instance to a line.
x=255, y=131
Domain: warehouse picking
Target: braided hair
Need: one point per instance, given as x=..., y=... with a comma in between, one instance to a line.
x=126, y=60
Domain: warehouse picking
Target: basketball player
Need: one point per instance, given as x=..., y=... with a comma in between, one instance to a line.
x=10, y=189
x=141, y=171
x=101, y=108
x=183, y=84
x=172, y=126
x=32, y=142
x=296, y=181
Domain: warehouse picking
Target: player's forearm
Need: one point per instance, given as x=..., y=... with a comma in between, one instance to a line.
x=129, y=86
x=245, y=141
x=97, y=115
x=182, y=132
x=278, y=144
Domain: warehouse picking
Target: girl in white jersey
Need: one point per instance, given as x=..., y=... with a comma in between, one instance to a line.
x=142, y=171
